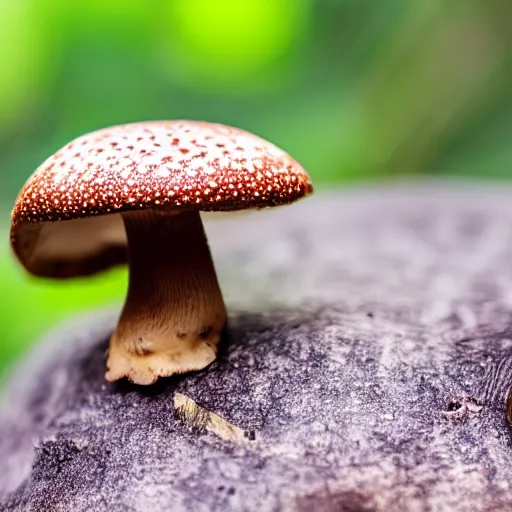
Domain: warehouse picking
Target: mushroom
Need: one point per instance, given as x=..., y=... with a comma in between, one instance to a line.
x=155, y=178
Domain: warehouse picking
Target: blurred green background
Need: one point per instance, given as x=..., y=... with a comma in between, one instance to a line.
x=354, y=89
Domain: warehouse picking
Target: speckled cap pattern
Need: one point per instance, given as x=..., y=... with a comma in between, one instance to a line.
x=160, y=164
x=156, y=165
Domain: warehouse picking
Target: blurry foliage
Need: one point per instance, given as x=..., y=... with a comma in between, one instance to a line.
x=353, y=89
x=30, y=305
x=232, y=46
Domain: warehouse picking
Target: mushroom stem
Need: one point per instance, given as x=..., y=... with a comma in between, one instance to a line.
x=174, y=313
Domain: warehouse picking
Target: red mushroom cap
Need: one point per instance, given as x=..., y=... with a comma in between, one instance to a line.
x=156, y=165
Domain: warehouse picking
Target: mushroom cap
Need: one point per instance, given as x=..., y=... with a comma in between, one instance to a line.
x=162, y=165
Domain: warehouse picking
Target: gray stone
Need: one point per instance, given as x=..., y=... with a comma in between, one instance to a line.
x=366, y=368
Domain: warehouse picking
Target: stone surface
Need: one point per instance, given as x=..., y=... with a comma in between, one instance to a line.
x=365, y=369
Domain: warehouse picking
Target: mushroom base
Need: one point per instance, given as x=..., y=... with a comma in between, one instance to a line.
x=174, y=313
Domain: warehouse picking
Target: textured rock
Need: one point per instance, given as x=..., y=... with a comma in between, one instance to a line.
x=365, y=369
